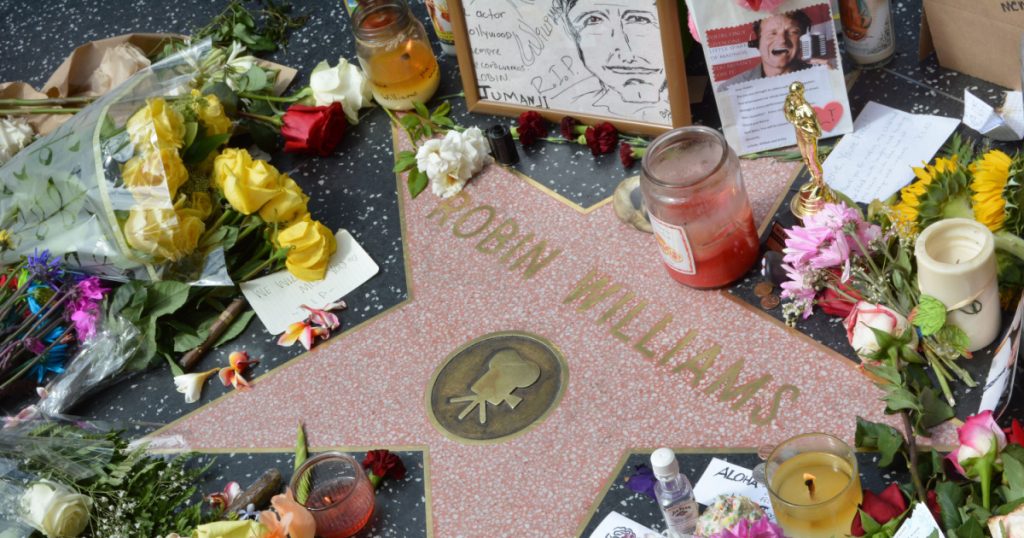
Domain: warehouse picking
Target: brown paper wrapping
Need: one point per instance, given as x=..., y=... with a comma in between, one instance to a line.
x=84, y=73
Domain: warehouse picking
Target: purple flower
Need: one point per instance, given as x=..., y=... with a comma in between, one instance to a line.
x=642, y=480
x=762, y=528
x=84, y=307
x=44, y=266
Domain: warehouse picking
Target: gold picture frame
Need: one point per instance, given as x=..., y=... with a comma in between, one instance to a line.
x=674, y=69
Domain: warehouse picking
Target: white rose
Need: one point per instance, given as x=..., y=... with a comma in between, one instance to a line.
x=451, y=161
x=344, y=83
x=54, y=510
x=866, y=316
x=15, y=134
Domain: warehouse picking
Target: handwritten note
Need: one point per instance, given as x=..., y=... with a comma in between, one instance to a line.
x=724, y=478
x=616, y=525
x=920, y=524
x=1005, y=124
x=277, y=298
x=875, y=160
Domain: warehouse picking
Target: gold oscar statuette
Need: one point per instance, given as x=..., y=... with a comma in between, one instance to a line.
x=815, y=193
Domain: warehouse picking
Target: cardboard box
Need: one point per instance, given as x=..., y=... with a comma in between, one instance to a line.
x=981, y=38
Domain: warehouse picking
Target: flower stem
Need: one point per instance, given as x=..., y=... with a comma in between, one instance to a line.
x=274, y=99
x=34, y=110
x=394, y=119
x=984, y=468
x=272, y=120
x=908, y=430
x=47, y=101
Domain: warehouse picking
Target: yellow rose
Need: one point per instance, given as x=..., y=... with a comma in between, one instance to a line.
x=158, y=125
x=288, y=205
x=231, y=161
x=200, y=204
x=254, y=187
x=154, y=171
x=165, y=234
x=311, y=245
x=211, y=113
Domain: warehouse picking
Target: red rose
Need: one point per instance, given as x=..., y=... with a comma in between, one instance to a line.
x=602, y=139
x=834, y=304
x=568, y=128
x=313, y=129
x=626, y=154
x=932, y=501
x=882, y=508
x=383, y=464
x=531, y=127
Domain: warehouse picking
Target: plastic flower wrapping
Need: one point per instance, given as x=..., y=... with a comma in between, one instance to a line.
x=122, y=189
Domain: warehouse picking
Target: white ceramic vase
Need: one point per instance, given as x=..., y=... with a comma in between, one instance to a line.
x=956, y=264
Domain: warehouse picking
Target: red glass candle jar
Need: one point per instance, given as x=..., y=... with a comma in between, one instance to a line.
x=700, y=213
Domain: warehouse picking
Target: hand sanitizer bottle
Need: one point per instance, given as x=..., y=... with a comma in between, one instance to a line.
x=674, y=494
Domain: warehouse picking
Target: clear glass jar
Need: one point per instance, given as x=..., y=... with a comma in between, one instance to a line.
x=341, y=498
x=393, y=49
x=868, y=33
x=700, y=213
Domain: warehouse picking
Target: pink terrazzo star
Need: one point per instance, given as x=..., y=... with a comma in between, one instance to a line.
x=630, y=385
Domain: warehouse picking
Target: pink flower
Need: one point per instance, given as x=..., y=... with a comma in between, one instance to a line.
x=762, y=528
x=84, y=307
x=866, y=316
x=324, y=318
x=302, y=331
x=981, y=441
x=234, y=374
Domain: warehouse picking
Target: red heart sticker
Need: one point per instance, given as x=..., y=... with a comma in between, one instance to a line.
x=829, y=115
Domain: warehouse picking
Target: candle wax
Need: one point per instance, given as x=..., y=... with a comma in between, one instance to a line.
x=832, y=508
x=403, y=75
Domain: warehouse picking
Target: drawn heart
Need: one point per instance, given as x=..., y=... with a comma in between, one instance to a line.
x=829, y=115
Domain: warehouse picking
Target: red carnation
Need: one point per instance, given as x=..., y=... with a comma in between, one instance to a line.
x=313, y=129
x=626, y=154
x=383, y=464
x=568, y=128
x=882, y=508
x=602, y=139
x=531, y=127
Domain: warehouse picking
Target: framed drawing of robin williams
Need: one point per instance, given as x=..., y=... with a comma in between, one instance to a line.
x=619, y=61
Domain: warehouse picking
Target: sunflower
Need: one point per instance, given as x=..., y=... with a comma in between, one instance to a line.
x=991, y=173
x=940, y=191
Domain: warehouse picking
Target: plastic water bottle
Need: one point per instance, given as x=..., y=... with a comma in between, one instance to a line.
x=674, y=494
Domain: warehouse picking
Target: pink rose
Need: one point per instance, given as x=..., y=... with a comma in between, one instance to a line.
x=866, y=316
x=981, y=441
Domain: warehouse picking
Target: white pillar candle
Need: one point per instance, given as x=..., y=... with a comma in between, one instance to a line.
x=956, y=264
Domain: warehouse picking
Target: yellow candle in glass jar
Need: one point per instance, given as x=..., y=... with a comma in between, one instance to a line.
x=403, y=75
x=815, y=494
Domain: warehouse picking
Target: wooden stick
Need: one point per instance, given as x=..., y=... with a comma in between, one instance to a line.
x=226, y=318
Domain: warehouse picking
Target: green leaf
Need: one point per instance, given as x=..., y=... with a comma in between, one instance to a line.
x=442, y=110
x=191, y=130
x=266, y=137
x=405, y=160
x=934, y=409
x=882, y=437
x=970, y=529
x=301, y=455
x=870, y=525
x=444, y=122
x=256, y=79
x=950, y=497
x=886, y=372
x=884, y=339
x=1013, y=476
x=409, y=121
x=175, y=369
x=890, y=442
x=202, y=147
x=185, y=341
x=123, y=296
x=899, y=399
x=929, y=315
x=955, y=337
x=421, y=109
x=236, y=328
x=165, y=297
x=417, y=182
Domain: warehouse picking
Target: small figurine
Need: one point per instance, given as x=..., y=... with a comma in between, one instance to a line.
x=800, y=113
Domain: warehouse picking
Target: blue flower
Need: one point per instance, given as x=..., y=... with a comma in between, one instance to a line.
x=44, y=266
x=55, y=357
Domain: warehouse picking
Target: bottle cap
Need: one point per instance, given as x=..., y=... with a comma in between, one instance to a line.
x=664, y=463
x=502, y=146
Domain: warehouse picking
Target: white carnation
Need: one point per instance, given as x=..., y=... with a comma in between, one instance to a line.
x=451, y=161
x=344, y=83
x=15, y=134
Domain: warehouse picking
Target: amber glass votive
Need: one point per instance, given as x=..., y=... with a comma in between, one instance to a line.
x=814, y=485
x=341, y=498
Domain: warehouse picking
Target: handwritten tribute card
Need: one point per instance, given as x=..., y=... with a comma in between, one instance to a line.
x=875, y=160
x=920, y=524
x=277, y=298
x=616, y=525
x=724, y=478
